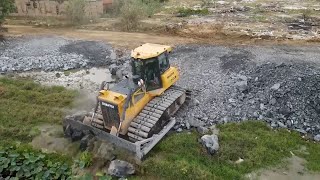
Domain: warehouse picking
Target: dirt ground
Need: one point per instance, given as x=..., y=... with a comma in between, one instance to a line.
x=119, y=39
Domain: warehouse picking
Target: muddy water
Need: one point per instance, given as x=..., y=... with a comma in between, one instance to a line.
x=87, y=80
x=98, y=75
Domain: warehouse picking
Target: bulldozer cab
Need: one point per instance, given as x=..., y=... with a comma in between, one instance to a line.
x=149, y=62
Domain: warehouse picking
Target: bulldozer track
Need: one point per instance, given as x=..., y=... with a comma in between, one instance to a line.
x=157, y=112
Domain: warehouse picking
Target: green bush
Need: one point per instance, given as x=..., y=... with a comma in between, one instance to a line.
x=131, y=12
x=130, y=15
x=6, y=6
x=75, y=11
x=23, y=163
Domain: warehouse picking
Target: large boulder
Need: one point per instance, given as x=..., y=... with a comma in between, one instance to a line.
x=120, y=168
x=211, y=143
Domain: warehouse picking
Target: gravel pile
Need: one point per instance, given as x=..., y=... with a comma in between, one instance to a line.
x=276, y=85
x=285, y=95
x=52, y=53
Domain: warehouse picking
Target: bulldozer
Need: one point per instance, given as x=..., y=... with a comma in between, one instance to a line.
x=137, y=112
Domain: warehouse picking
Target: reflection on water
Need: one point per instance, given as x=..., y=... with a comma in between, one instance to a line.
x=98, y=75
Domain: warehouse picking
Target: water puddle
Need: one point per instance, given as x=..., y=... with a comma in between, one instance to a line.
x=98, y=75
x=83, y=79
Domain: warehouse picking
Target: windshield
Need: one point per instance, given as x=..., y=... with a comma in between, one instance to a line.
x=137, y=67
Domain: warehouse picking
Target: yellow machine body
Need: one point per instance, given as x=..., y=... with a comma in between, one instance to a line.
x=139, y=98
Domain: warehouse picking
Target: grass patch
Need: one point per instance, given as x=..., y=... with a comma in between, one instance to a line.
x=181, y=156
x=25, y=104
x=184, y=12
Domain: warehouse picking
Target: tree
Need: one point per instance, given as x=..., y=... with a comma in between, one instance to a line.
x=6, y=6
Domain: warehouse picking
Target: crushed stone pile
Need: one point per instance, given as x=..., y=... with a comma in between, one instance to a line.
x=284, y=95
x=52, y=53
x=279, y=86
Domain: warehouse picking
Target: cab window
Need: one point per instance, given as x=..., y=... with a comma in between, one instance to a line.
x=137, y=67
x=163, y=62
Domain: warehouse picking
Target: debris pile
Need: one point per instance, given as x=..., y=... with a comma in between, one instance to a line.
x=239, y=86
x=51, y=53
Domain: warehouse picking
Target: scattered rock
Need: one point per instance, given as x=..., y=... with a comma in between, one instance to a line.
x=301, y=131
x=275, y=86
x=195, y=122
x=179, y=130
x=317, y=138
x=210, y=142
x=240, y=160
x=187, y=125
x=195, y=102
x=202, y=130
x=281, y=124
x=120, y=168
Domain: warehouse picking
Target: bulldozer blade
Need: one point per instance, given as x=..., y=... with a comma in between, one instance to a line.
x=138, y=148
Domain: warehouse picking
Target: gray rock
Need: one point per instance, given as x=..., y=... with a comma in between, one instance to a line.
x=273, y=101
x=195, y=102
x=262, y=106
x=113, y=68
x=243, y=77
x=211, y=143
x=202, y=130
x=120, y=168
x=179, y=130
x=226, y=119
x=187, y=125
x=273, y=124
x=317, y=138
x=281, y=124
x=195, y=122
x=242, y=85
x=275, y=86
x=301, y=131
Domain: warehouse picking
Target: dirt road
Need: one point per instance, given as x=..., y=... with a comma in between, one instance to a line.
x=119, y=39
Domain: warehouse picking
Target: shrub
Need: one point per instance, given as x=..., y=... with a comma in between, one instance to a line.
x=151, y=6
x=6, y=6
x=75, y=11
x=130, y=14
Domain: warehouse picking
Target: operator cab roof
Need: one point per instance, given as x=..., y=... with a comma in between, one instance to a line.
x=147, y=51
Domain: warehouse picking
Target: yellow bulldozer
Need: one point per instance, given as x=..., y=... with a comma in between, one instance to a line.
x=135, y=113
